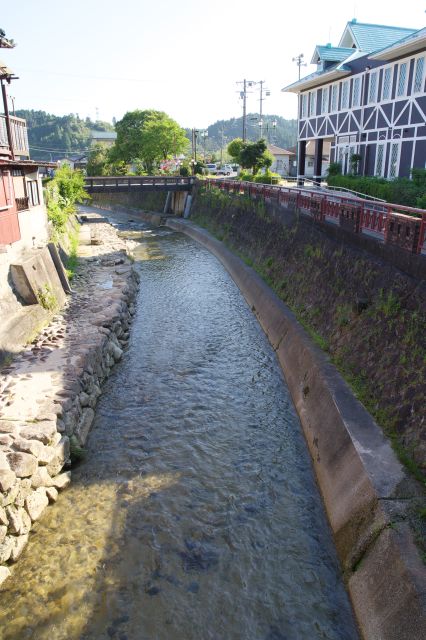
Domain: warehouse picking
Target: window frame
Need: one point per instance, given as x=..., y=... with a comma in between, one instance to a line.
x=391, y=70
x=372, y=99
x=33, y=192
x=422, y=80
x=344, y=93
x=357, y=81
x=401, y=91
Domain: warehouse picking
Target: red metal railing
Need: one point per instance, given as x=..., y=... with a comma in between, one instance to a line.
x=351, y=212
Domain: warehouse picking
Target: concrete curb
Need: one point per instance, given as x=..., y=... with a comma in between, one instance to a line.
x=364, y=487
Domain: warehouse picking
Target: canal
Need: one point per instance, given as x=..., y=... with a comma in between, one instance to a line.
x=195, y=514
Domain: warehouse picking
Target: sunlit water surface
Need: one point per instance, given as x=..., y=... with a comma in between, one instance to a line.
x=195, y=515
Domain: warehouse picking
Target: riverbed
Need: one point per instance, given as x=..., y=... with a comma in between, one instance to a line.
x=195, y=514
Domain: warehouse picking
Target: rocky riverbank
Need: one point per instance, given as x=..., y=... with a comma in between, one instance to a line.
x=49, y=392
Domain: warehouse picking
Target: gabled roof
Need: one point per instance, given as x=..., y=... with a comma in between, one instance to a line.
x=371, y=37
x=407, y=45
x=277, y=151
x=330, y=54
x=335, y=72
x=103, y=135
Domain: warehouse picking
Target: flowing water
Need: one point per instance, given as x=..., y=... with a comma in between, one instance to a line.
x=195, y=515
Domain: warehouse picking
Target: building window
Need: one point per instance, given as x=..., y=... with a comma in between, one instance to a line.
x=312, y=102
x=324, y=100
x=402, y=79
x=394, y=160
x=380, y=160
x=33, y=194
x=419, y=75
x=345, y=95
x=372, y=91
x=304, y=108
x=333, y=105
x=356, y=94
x=387, y=83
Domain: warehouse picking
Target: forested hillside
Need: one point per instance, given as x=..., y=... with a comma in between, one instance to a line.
x=51, y=137
x=282, y=133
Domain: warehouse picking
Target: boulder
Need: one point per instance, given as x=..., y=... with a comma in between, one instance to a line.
x=15, y=520
x=6, y=549
x=41, y=478
x=43, y=431
x=7, y=479
x=62, y=481
x=19, y=544
x=3, y=517
x=52, y=494
x=36, y=503
x=46, y=454
x=28, y=446
x=4, y=574
x=3, y=532
x=3, y=461
x=61, y=455
x=10, y=496
x=23, y=464
x=84, y=425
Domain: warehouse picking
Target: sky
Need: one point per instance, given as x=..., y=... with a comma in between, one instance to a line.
x=102, y=58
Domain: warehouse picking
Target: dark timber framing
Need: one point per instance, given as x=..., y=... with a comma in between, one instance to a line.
x=368, y=103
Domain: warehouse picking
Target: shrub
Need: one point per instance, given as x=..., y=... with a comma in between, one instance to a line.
x=334, y=169
x=267, y=178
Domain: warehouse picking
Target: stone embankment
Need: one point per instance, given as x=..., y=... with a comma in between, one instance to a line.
x=49, y=392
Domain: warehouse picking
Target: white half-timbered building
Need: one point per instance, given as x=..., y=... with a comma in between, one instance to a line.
x=366, y=98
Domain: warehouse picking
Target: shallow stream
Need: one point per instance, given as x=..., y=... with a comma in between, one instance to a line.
x=195, y=514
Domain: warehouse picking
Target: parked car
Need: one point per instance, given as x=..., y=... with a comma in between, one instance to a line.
x=211, y=168
x=226, y=170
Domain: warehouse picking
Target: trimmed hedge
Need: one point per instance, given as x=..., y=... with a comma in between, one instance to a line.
x=411, y=193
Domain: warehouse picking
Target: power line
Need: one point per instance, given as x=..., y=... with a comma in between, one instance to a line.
x=60, y=150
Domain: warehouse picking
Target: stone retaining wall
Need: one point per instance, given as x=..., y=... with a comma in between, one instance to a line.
x=49, y=393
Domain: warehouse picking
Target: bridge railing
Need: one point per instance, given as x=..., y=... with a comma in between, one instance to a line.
x=390, y=223
x=108, y=182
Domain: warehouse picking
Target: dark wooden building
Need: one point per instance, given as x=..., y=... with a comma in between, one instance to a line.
x=367, y=98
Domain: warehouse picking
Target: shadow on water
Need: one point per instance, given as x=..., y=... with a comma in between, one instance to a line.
x=195, y=514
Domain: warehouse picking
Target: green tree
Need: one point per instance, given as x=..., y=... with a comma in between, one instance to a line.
x=98, y=161
x=250, y=155
x=235, y=147
x=147, y=137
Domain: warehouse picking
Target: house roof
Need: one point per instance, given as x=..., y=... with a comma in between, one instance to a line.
x=330, y=54
x=405, y=46
x=277, y=151
x=335, y=72
x=358, y=40
x=371, y=37
x=103, y=135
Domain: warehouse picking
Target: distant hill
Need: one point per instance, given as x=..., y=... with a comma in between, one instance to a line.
x=51, y=137
x=283, y=134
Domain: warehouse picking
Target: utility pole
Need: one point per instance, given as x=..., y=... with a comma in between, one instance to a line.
x=245, y=111
x=299, y=61
x=243, y=95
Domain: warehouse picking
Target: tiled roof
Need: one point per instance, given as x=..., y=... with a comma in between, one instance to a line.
x=104, y=135
x=277, y=151
x=370, y=37
x=332, y=54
